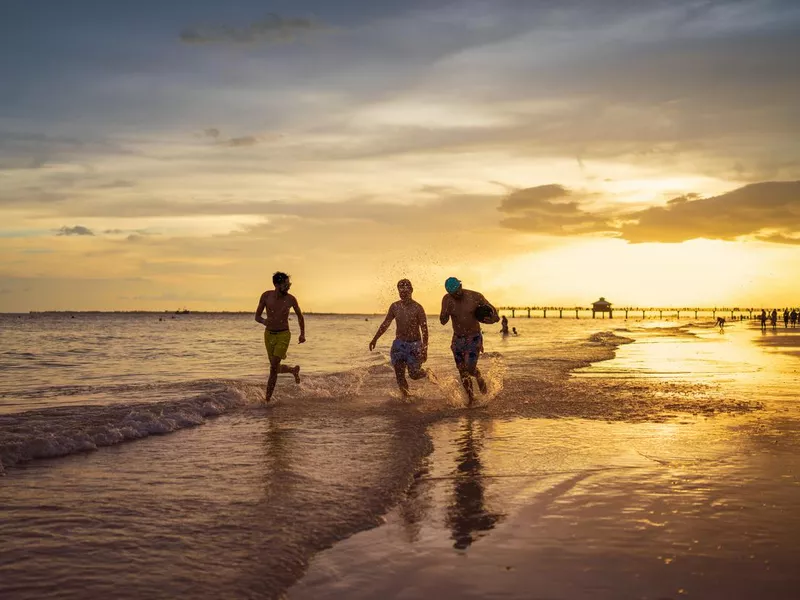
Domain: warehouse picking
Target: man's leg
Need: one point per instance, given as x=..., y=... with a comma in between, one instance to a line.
x=479, y=378
x=466, y=382
x=418, y=373
x=279, y=368
x=415, y=370
x=280, y=350
x=472, y=363
x=400, y=373
x=295, y=370
x=460, y=356
x=274, y=369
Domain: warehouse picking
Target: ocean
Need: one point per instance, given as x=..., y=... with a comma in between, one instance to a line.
x=609, y=459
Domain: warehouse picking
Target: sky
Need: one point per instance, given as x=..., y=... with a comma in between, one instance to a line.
x=158, y=156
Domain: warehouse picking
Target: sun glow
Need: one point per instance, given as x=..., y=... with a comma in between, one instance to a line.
x=695, y=273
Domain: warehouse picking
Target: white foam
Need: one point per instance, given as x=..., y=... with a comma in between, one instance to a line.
x=51, y=433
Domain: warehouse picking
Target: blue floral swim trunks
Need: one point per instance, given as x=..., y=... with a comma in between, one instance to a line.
x=466, y=349
x=407, y=352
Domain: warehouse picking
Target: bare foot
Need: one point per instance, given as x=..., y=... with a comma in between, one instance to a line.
x=482, y=385
x=296, y=373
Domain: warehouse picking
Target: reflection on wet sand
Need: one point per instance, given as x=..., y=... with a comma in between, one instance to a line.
x=415, y=506
x=467, y=513
x=277, y=464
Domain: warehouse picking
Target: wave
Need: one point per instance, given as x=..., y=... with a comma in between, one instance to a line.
x=609, y=339
x=54, y=432
x=76, y=428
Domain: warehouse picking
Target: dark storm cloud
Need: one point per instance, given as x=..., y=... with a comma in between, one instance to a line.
x=77, y=230
x=271, y=28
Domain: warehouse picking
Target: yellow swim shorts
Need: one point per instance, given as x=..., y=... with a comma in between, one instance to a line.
x=277, y=343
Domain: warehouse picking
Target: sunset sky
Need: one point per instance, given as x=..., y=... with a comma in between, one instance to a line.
x=159, y=155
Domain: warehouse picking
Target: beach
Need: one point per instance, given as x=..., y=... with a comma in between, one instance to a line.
x=610, y=459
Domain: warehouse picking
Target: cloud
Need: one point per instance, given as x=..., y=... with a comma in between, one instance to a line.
x=119, y=183
x=532, y=198
x=543, y=210
x=137, y=237
x=235, y=142
x=77, y=230
x=238, y=142
x=767, y=211
x=131, y=235
x=272, y=28
x=745, y=211
x=778, y=238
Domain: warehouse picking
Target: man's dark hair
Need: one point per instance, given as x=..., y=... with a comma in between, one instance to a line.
x=278, y=278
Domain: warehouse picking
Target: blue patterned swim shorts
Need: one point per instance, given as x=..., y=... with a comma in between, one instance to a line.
x=466, y=349
x=409, y=353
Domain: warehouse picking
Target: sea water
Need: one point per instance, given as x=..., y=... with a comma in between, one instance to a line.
x=238, y=507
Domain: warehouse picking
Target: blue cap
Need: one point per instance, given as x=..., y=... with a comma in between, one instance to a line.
x=451, y=285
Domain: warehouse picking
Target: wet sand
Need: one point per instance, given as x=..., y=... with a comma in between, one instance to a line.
x=584, y=510
x=689, y=506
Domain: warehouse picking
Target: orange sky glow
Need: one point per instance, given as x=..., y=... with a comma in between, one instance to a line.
x=545, y=155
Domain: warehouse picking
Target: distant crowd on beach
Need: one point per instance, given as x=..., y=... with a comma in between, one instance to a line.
x=789, y=318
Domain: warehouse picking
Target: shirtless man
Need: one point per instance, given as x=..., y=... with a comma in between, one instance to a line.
x=410, y=346
x=460, y=304
x=277, y=336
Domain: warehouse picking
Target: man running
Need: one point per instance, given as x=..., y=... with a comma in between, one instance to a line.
x=460, y=305
x=410, y=346
x=277, y=336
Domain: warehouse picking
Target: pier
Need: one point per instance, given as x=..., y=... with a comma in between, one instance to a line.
x=630, y=312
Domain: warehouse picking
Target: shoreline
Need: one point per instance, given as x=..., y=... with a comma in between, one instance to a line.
x=695, y=506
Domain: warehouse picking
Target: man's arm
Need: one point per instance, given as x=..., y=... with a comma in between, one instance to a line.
x=382, y=329
x=423, y=327
x=262, y=304
x=444, y=316
x=300, y=320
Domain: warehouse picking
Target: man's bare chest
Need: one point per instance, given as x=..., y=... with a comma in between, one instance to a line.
x=406, y=315
x=278, y=305
x=464, y=310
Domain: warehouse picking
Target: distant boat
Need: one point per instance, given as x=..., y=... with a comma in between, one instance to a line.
x=183, y=311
